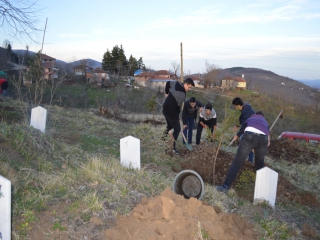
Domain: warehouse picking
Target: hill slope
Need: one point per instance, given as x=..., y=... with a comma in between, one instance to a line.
x=64, y=65
x=276, y=86
x=312, y=83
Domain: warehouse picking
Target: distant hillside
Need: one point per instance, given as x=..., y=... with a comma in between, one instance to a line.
x=90, y=62
x=64, y=65
x=276, y=86
x=312, y=83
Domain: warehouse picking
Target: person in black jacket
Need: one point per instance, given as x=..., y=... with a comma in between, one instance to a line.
x=189, y=115
x=207, y=119
x=246, y=112
x=175, y=96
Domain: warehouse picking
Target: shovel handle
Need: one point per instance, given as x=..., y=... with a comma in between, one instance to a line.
x=276, y=120
x=232, y=141
x=184, y=138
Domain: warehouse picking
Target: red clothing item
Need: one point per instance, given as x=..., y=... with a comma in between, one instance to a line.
x=2, y=80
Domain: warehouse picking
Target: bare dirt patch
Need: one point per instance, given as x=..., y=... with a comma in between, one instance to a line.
x=291, y=151
x=201, y=161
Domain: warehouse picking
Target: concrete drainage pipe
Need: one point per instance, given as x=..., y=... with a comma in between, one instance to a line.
x=188, y=183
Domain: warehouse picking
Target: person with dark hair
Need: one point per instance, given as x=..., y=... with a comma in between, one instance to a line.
x=3, y=86
x=175, y=96
x=256, y=136
x=189, y=115
x=207, y=119
x=246, y=112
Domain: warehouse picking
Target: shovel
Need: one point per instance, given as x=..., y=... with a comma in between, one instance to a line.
x=189, y=147
x=230, y=143
x=279, y=116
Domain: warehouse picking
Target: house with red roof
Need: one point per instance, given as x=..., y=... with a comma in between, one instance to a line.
x=48, y=66
x=241, y=83
x=197, y=80
x=81, y=70
x=229, y=82
x=157, y=80
x=142, y=78
x=97, y=76
x=154, y=80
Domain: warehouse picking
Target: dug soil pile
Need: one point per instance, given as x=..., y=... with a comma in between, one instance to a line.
x=291, y=151
x=171, y=216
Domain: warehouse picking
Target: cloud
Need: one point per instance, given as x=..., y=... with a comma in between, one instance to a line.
x=227, y=14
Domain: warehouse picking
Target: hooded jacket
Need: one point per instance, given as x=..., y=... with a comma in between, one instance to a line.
x=189, y=111
x=176, y=96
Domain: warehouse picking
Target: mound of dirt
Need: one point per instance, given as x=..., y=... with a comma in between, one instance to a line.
x=201, y=161
x=291, y=151
x=171, y=216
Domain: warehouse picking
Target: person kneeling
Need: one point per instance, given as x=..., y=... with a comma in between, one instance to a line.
x=207, y=119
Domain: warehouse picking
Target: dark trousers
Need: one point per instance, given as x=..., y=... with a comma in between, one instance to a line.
x=251, y=154
x=175, y=125
x=188, y=129
x=247, y=143
x=209, y=123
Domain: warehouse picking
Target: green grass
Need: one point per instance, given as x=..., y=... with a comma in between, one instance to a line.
x=77, y=160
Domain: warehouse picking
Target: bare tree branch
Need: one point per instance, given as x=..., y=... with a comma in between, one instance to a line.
x=18, y=18
x=176, y=69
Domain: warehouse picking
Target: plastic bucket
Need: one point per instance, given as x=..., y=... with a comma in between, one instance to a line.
x=188, y=183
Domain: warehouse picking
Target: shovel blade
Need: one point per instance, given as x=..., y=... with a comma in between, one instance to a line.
x=189, y=147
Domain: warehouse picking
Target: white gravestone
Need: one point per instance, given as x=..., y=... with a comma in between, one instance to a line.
x=130, y=152
x=266, y=186
x=39, y=118
x=5, y=209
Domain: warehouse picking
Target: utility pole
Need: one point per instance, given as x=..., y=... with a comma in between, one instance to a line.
x=181, y=71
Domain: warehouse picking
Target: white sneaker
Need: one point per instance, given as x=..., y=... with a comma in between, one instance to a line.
x=175, y=151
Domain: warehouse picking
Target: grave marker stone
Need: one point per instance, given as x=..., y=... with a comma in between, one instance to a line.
x=266, y=186
x=130, y=152
x=5, y=209
x=39, y=118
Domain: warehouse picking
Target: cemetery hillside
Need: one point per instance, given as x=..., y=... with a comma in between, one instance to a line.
x=62, y=145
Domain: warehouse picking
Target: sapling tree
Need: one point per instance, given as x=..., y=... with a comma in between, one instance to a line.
x=224, y=129
x=151, y=105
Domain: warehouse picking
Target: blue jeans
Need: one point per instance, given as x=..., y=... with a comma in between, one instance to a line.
x=251, y=156
x=189, y=128
x=248, y=142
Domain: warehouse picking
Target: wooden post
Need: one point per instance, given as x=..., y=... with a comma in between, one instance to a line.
x=181, y=74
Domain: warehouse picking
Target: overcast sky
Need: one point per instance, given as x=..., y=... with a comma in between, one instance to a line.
x=282, y=36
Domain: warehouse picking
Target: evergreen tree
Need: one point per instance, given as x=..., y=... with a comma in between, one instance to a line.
x=122, y=61
x=107, y=61
x=141, y=64
x=132, y=65
x=116, y=62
